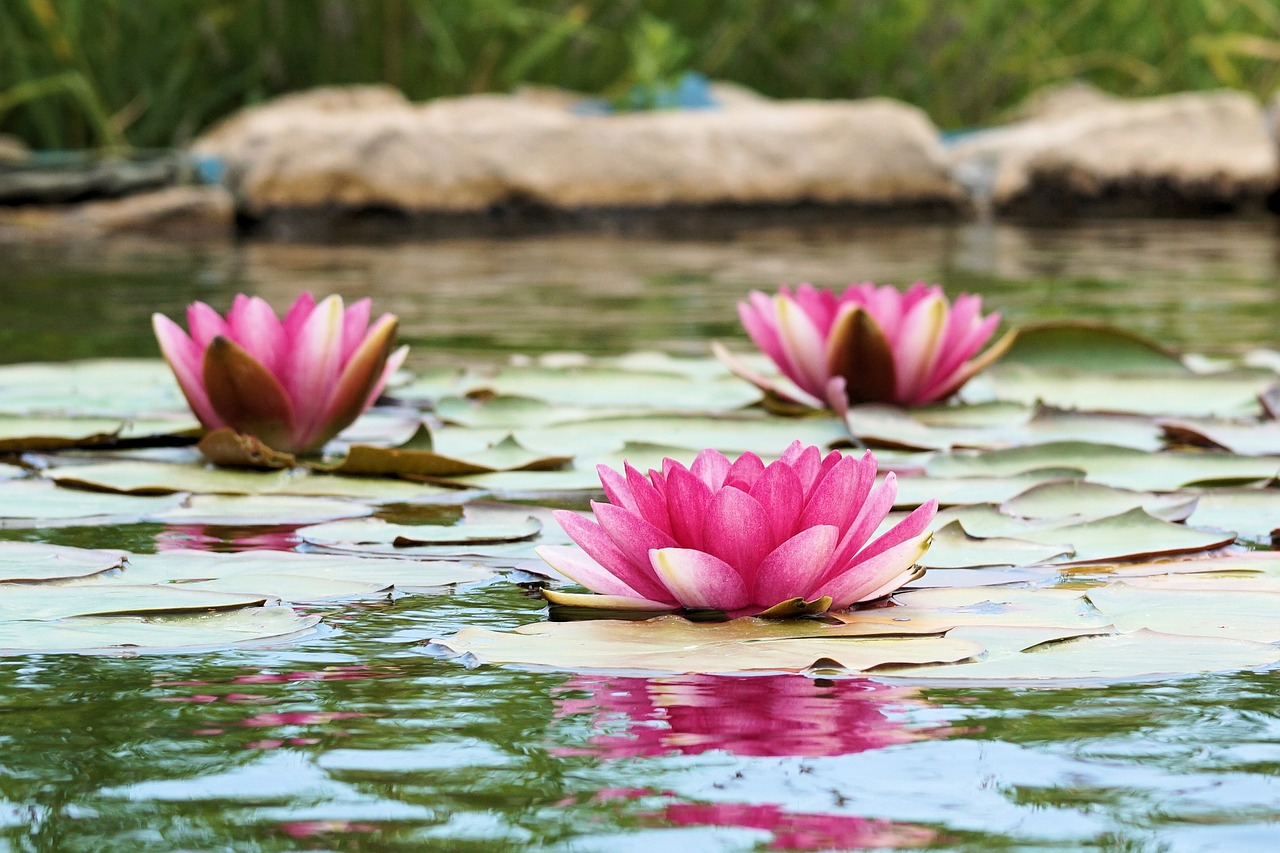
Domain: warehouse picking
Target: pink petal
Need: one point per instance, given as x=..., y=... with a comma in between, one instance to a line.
x=185, y=359
x=711, y=467
x=687, y=499
x=795, y=567
x=745, y=471
x=205, y=324
x=393, y=364
x=737, y=530
x=256, y=328
x=650, y=502
x=314, y=362
x=909, y=528
x=830, y=501
x=804, y=345
x=298, y=314
x=916, y=349
x=872, y=510
x=355, y=325
x=616, y=488
x=637, y=574
x=580, y=568
x=634, y=536
x=778, y=490
x=869, y=578
x=698, y=580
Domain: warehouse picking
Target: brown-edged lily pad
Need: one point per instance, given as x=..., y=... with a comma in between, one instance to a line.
x=33, y=562
x=29, y=503
x=1068, y=498
x=43, y=602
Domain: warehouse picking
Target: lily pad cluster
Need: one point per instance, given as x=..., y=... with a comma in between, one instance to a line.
x=1106, y=507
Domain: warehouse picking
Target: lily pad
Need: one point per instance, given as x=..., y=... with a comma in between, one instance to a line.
x=43, y=602
x=1066, y=498
x=26, y=503
x=1248, y=615
x=1247, y=439
x=730, y=435
x=1109, y=465
x=1094, y=347
x=23, y=434
x=134, y=634
x=673, y=644
x=376, y=535
x=245, y=510
x=122, y=388
x=507, y=455
x=1254, y=513
x=954, y=548
x=161, y=478
x=32, y=562
x=1233, y=394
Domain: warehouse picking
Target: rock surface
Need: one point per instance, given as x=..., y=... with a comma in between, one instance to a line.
x=194, y=213
x=1179, y=154
x=367, y=148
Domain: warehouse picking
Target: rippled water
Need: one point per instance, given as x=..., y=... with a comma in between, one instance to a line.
x=360, y=739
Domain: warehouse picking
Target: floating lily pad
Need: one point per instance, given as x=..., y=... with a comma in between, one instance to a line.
x=507, y=455
x=26, y=503
x=1066, y=498
x=889, y=426
x=1233, y=394
x=1136, y=655
x=245, y=510
x=1254, y=513
x=1249, y=615
x=954, y=548
x=160, y=478
x=378, y=536
x=1093, y=347
x=133, y=634
x=940, y=610
x=43, y=602
x=949, y=491
x=22, y=434
x=32, y=562
x=1247, y=439
x=241, y=569
x=123, y=388
x=730, y=435
x=673, y=644
x=1121, y=467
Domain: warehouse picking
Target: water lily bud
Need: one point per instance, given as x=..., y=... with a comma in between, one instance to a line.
x=293, y=383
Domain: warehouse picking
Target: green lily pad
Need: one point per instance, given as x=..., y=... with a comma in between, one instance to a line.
x=1247, y=439
x=43, y=602
x=241, y=569
x=244, y=510
x=1104, y=657
x=134, y=634
x=936, y=611
x=507, y=455
x=376, y=535
x=1093, y=347
x=1121, y=467
x=952, y=491
x=161, y=478
x=1067, y=498
x=673, y=644
x=294, y=588
x=32, y=562
x=954, y=548
x=730, y=435
x=1233, y=394
x=1253, y=513
x=1248, y=615
x=120, y=388
x=27, y=503
x=27, y=433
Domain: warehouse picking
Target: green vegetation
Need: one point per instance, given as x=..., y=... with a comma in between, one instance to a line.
x=80, y=73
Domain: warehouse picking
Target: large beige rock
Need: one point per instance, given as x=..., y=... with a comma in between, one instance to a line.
x=467, y=155
x=12, y=150
x=187, y=213
x=1179, y=153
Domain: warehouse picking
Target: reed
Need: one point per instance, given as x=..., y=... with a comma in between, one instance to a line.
x=88, y=73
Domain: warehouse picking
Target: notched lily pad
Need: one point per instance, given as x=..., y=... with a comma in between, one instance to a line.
x=1086, y=346
x=31, y=503
x=43, y=602
x=378, y=536
x=32, y=562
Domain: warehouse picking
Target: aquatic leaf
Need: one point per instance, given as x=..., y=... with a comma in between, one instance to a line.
x=1066, y=498
x=1247, y=439
x=42, y=602
x=134, y=634
x=1103, y=657
x=28, y=503
x=32, y=562
x=932, y=611
x=159, y=478
x=1254, y=513
x=24, y=434
x=1247, y=615
x=1092, y=347
x=228, y=448
x=121, y=388
x=950, y=491
x=507, y=455
x=954, y=548
x=673, y=644
x=1233, y=394
x=495, y=528
x=1234, y=561
x=244, y=510
x=730, y=435
x=294, y=588
x=1121, y=467
x=404, y=575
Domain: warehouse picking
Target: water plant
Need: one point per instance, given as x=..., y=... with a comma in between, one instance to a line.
x=292, y=383
x=868, y=344
x=742, y=537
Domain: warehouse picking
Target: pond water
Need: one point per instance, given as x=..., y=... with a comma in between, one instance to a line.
x=360, y=739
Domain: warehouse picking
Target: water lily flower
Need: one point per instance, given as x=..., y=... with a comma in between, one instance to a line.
x=293, y=383
x=869, y=344
x=794, y=536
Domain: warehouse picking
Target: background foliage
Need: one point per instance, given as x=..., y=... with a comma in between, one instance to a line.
x=77, y=73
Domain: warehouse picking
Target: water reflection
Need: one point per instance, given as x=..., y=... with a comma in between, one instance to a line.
x=212, y=537
x=802, y=831
x=774, y=715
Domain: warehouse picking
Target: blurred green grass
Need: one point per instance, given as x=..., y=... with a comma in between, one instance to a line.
x=154, y=73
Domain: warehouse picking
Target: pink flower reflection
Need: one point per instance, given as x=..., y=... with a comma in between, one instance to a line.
x=307, y=828
x=776, y=715
x=212, y=537
x=801, y=831
x=298, y=718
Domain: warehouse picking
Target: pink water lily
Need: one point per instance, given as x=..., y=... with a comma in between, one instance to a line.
x=293, y=383
x=797, y=535
x=869, y=344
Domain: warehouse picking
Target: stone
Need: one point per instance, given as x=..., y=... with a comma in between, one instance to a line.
x=1063, y=99
x=475, y=154
x=13, y=151
x=189, y=213
x=1191, y=153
